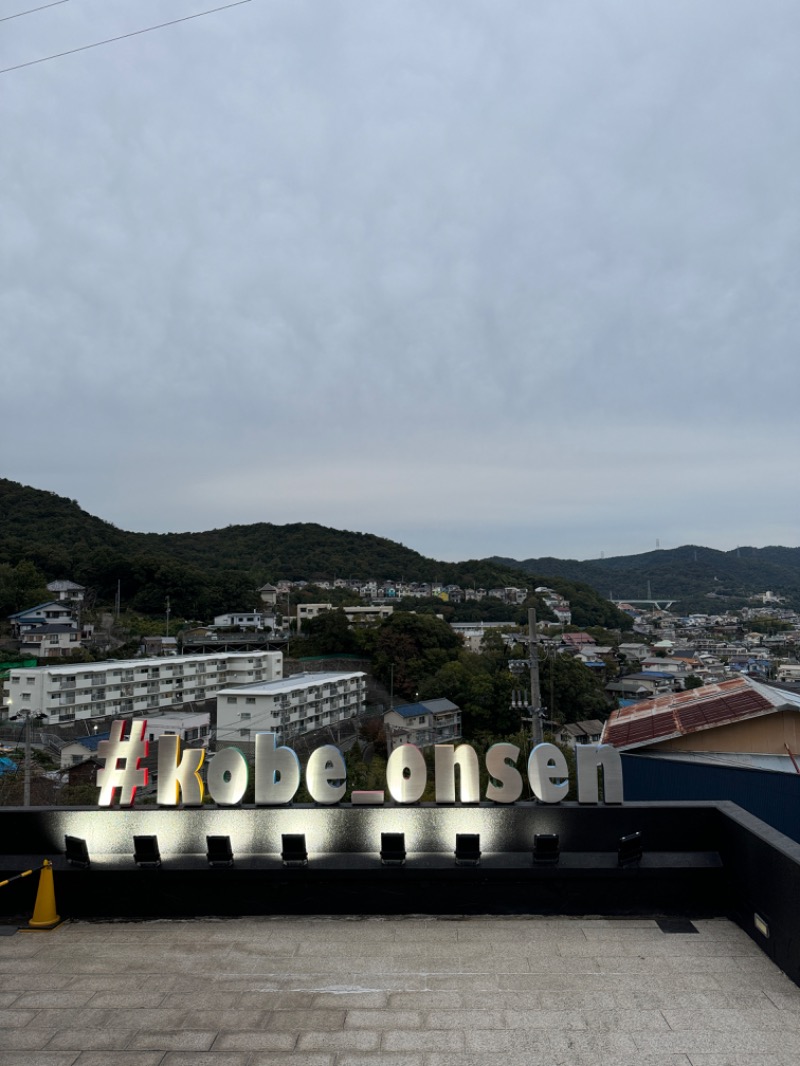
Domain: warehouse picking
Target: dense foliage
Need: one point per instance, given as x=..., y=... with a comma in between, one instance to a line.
x=208, y=573
x=698, y=579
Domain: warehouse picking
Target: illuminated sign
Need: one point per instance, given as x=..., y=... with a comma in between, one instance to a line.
x=278, y=773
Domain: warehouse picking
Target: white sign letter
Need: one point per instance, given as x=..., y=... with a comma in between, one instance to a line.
x=179, y=776
x=447, y=758
x=548, y=773
x=277, y=772
x=589, y=758
x=406, y=774
x=498, y=764
x=326, y=775
x=227, y=777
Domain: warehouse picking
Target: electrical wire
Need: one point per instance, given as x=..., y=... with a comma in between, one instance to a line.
x=31, y=10
x=122, y=36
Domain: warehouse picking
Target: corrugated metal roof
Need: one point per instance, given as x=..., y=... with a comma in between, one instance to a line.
x=679, y=713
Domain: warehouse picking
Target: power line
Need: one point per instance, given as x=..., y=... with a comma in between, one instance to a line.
x=123, y=36
x=30, y=11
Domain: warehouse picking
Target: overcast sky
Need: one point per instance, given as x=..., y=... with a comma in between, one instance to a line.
x=487, y=277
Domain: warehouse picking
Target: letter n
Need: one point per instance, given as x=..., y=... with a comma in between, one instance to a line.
x=590, y=758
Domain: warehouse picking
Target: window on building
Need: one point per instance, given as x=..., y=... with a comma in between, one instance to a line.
x=30, y=680
x=245, y=714
x=231, y=699
x=250, y=699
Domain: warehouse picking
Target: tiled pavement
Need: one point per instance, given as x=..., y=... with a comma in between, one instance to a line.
x=397, y=991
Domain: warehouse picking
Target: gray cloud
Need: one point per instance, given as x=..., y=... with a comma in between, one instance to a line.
x=514, y=279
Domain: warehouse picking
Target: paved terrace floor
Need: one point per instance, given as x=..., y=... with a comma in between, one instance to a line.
x=396, y=992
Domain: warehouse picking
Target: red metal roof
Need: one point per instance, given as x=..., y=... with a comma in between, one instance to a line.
x=679, y=713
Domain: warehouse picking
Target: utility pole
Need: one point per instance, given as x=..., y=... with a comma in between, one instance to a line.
x=536, y=695
x=26, y=781
x=167, y=633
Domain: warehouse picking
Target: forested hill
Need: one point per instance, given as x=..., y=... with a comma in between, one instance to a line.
x=696, y=578
x=218, y=570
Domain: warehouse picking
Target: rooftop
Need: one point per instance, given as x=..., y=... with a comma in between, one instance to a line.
x=678, y=713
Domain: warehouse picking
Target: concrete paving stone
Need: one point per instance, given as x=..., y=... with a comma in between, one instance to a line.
x=254, y=1040
x=734, y=1060
x=571, y=1042
x=503, y=1041
x=34, y=982
x=220, y=1019
x=120, y=984
x=647, y=963
x=360, y=998
x=20, y=1039
x=113, y=998
x=552, y=962
x=345, y=1040
x=783, y=1000
x=200, y=998
x=87, y=1018
x=375, y=1058
x=594, y=1000
x=625, y=1020
x=30, y=964
x=119, y=1058
x=727, y=1020
x=298, y=1021
x=68, y=997
x=37, y=1058
x=545, y=1019
x=173, y=1040
x=741, y=982
x=511, y=1057
x=208, y=1058
x=382, y=1019
x=17, y=1019
x=427, y=1040
x=89, y=1039
x=614, y=1058
x=282, y=1058
x=442, y=999
x=704, y=1041
x=676, y=999
x=476, y=982
x=460, y=1020
x=609, y=980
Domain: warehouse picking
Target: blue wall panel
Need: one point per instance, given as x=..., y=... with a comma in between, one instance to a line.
x=771, y=796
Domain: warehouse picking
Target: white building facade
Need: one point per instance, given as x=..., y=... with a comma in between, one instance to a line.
x=289, y=707
x=125, y=687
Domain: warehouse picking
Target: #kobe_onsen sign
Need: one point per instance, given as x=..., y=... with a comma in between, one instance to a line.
x=278, y=773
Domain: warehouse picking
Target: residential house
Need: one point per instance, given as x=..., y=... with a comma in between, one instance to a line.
x=423, y=724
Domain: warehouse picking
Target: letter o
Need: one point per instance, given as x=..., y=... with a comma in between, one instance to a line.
x=406, y=774
x=227, y=777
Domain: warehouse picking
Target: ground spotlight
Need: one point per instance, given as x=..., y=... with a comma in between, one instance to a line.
x=393, y=849
x=629, y=852
x=546, y=849
x=219, y=851
x=293, y=849
x=76, y=851
x=468, y=849
x=145, y=852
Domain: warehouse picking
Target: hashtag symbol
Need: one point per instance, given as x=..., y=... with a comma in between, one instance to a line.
x=121, y=768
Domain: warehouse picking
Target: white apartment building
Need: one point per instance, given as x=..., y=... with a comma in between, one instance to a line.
x=289, y=707
x=122, y=687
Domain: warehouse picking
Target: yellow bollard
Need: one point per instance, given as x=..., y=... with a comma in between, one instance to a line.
x=44, y=910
